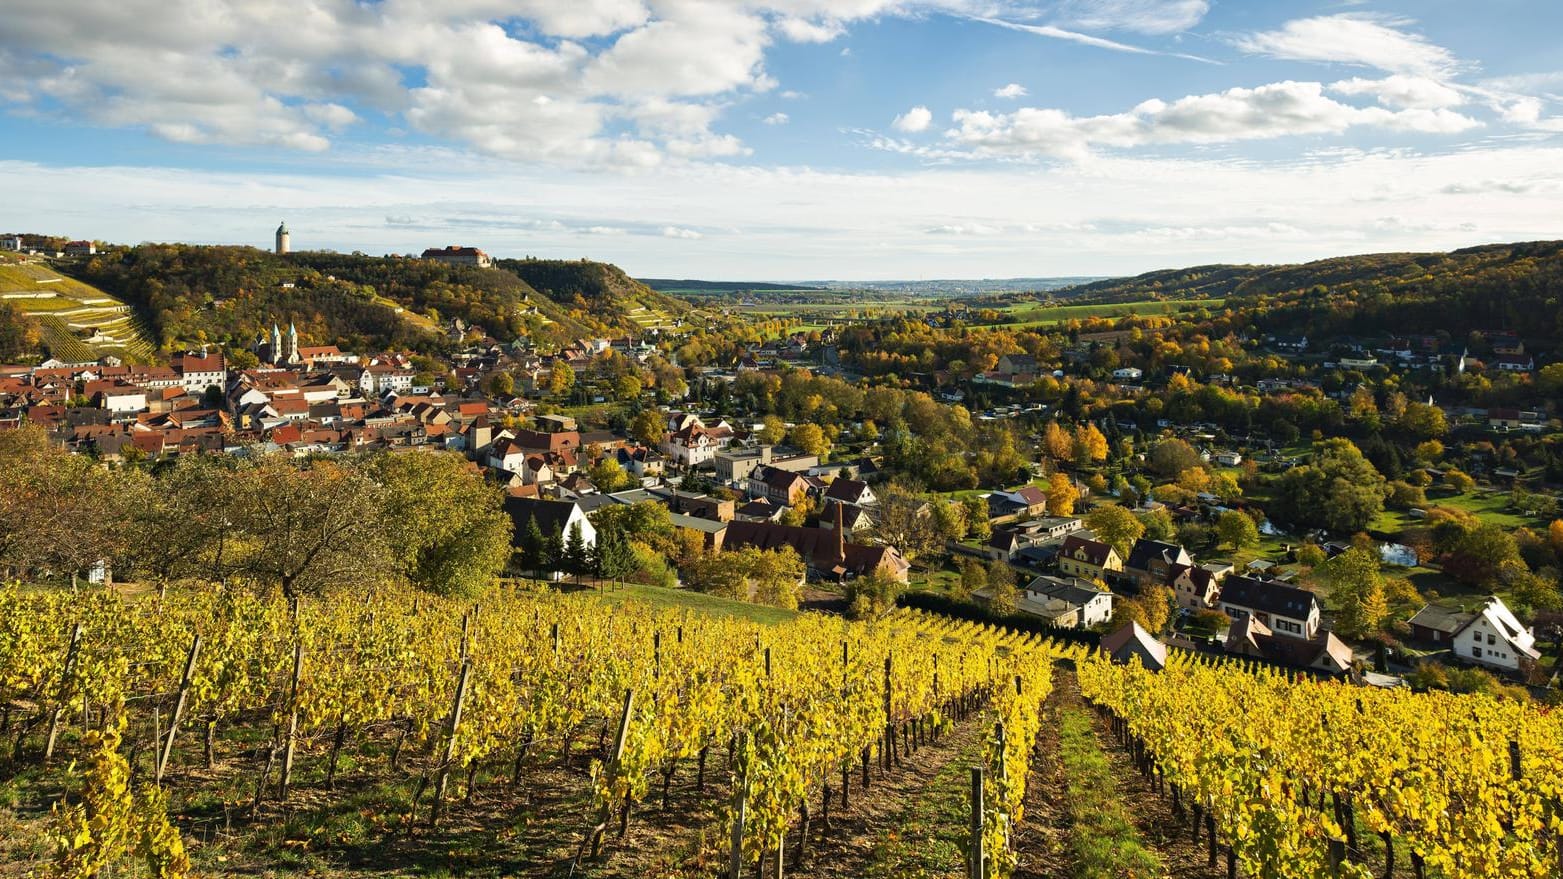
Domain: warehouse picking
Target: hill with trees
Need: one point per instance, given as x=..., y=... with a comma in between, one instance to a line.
x=231, y=295
x=1498, y=286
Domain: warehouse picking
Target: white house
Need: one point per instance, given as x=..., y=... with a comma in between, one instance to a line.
x=1090, y=606
x=1495, y=638
x=199, y=371
x=1129, y=373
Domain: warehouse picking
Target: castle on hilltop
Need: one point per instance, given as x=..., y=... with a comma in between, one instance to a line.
x=283, y=245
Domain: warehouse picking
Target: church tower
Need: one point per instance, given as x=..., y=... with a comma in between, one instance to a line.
x=292, y=343
x=282, y=238
x=276, y=345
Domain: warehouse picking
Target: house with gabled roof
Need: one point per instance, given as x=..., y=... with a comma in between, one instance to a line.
x=1495, y=637
x=1285, y=610
x=1155, y=562
x=1087, y=558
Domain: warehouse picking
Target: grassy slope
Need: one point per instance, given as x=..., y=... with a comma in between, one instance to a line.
x=697, y=602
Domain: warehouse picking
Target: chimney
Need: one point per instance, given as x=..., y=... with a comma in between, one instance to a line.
x=841, y=535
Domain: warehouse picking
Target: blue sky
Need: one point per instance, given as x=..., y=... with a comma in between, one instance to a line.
x=791, y=139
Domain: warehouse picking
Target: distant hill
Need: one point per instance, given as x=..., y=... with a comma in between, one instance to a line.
x=599, y=293
x=75, y=322
x=1496, y=286
x=669, y=285
x=231, y=295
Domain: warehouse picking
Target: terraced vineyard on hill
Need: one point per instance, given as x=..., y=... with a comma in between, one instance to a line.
x=78, y=323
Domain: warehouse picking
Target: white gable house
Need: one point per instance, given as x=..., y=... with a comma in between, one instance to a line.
x=1496, y=639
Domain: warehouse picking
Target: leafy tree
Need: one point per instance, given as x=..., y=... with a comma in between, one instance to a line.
x=60, y=512
x=501, y=384
x=1115, y=526
x=809, y=439
x=872, y=595
x=1237, y=530
x=608, y=475
x=554, y=559
x=906, y=522
x=973, y=577
x=533, y=547
x=561, y=378
x=773, y=430
x=770, y=577
x=978, y=526
x=450, y=533
x=628, y=387
x=1310, y=556
x=308, y=528
x=648, y=427
x=1357, y=595
x=1480, y=554
x=1338, y=490
x=1061, y=495
x=1158, y=523
x=950, y=519
x=1422, y=421
x=1170, y=457
x=1458, y=480
x=1004, y=596
x=1056, y=442
x=1090, y=446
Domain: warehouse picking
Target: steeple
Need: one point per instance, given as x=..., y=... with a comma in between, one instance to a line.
x=276, y=344
x=292, y=343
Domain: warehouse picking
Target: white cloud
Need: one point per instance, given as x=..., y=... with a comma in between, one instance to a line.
x=1402, y=92
x=1144, y=16
x=1360, y=39
x=680, y=232
x=1013, y=90
x=777, y=119
x=1058, y=33
x=1268, y=111
x=914, y=120
x=801, y=30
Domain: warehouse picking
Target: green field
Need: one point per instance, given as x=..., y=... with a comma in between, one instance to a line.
x=1033, y=314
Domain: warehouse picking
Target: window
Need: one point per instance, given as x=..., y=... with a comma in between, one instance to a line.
x=1476, y=652
x=1491, y=640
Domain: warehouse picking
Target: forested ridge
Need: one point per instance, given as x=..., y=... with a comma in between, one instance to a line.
x=1499, y=286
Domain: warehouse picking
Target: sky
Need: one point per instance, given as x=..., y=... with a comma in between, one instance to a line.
x=791, y=139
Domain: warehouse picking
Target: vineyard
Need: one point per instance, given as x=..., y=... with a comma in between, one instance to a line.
x=781, y=718
x=547, y=734
x=1284, y=775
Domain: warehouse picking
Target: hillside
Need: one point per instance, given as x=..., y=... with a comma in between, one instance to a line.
x=231, y=295
x=600, y=294
x=1498, y=286
x=74, y=321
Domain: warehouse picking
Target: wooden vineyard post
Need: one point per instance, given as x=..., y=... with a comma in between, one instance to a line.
x=1336, y=855
x=612, y=765
x=65, y=676
x=179, y=707
x=287, y=752
x=735, y=860
x=889, y=750
x=976, y=862
x=450, y=742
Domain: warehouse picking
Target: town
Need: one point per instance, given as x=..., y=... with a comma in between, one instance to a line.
x=1152, y=479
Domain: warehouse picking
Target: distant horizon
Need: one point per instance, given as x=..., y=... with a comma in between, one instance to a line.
x=740, y=278
x=777, y=138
